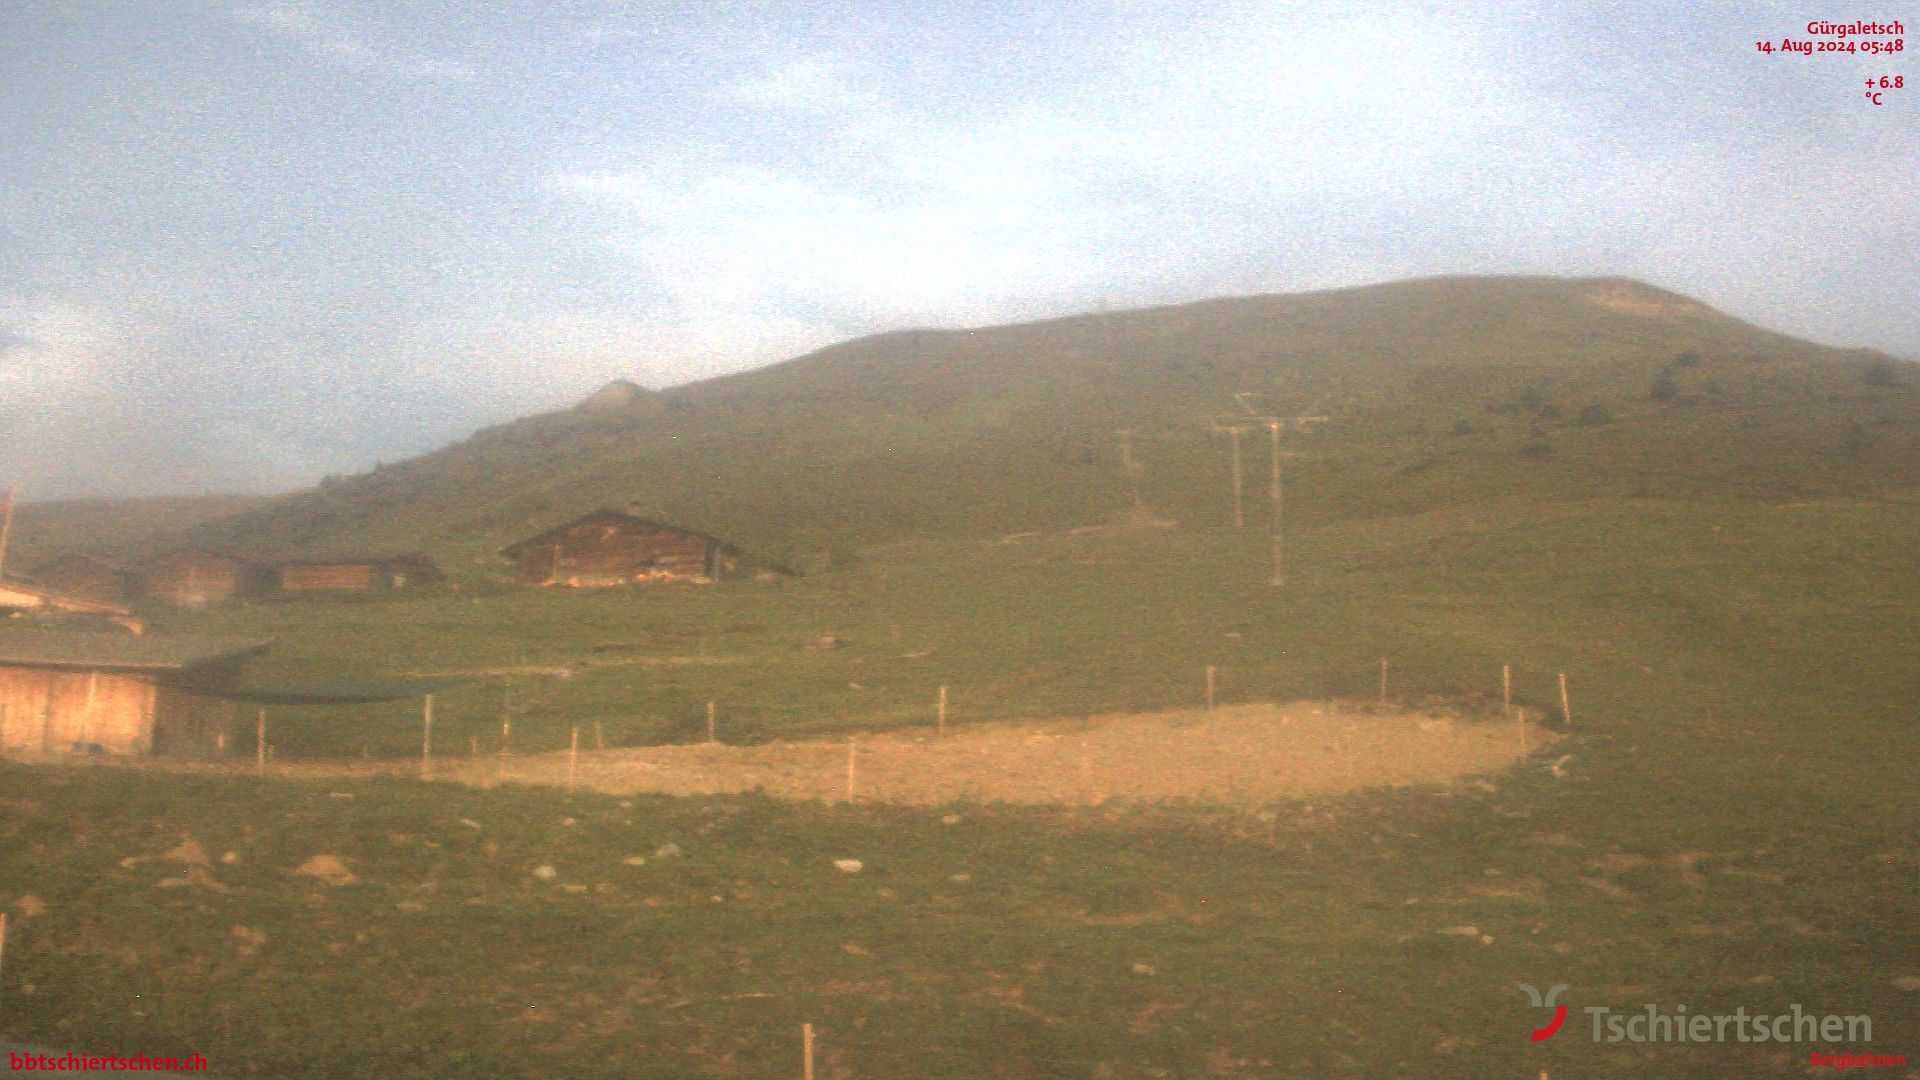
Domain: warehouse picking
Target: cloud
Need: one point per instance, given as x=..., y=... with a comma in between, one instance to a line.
x=1141, y=178
x=328, y=36
x=825, y=85
x=51, y=349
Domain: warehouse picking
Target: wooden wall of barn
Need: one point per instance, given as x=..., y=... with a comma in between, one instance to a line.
x=191, y=580
x=67, y=711
x=61, y=712
x=610, y=553
x=186, y=724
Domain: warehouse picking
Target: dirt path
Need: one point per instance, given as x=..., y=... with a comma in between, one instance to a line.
x=1243, y=754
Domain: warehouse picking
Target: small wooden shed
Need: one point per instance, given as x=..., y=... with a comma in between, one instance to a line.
x=64, y=691
x=85, y=577
x=197, y=579
x=608, y=547
x=385, y=573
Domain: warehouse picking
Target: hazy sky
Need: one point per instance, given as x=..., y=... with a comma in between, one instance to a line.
x=242, y=246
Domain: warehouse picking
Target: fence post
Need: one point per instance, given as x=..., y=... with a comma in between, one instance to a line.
x=426, y=736
x=573, y=755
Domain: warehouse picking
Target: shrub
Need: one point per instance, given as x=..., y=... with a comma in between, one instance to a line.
x=1881, y=373
x=1594, y=415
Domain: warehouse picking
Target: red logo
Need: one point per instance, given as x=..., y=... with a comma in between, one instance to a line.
x=1547, y=1002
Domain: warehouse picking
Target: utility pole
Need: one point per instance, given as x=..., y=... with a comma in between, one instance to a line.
x=6, y=525
x=1277, y=492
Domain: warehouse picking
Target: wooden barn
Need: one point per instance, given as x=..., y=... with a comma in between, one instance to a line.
x=607, y=547
x=85, y=577
x=197, y=579
x=64, y=691
x=362, y=575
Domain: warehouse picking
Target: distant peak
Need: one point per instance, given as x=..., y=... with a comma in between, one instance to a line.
x=617, y=394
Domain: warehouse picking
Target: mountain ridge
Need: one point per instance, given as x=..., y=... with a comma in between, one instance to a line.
x=1437, y=388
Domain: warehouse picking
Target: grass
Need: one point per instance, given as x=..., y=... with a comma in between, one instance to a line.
x=1441, y=392
x=1734, y=826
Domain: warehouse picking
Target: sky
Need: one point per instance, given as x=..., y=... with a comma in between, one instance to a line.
x=247, y=245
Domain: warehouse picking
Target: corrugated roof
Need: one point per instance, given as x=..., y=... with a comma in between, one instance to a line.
x=335, y=692
x=631, y=519
x=82, y=651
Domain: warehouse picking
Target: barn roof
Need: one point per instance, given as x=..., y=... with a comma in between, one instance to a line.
x=411, y=558
x=14, y=592
x=177, y=554
x=76, y=558
x=339, y=691
x=616, y=515
x=78, y=650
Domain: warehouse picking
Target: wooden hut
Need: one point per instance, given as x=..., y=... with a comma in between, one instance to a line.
x=362, y=575
x=197, y=579
x=64, y=691
x=607, y=547
x=85, y=577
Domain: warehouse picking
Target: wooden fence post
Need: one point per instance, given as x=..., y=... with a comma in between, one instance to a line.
x=573, y=756
x=260, y=743
x=1566, y=708
x=1210, y=673
x=941, y=714
x=806, y=1051
x=426, y=736
x=1383, y=680
x=712, y=732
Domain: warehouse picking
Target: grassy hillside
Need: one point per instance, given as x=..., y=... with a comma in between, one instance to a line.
x=1731, y=824
x=1440, y=391
x=112, y=528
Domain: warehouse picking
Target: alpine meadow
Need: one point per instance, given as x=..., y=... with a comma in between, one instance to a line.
x=1591, y=660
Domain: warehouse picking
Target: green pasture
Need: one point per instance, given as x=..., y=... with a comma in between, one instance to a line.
x=1730, y=821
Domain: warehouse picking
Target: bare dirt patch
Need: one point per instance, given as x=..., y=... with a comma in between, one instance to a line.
x=1234, y=755
x=1245, y=754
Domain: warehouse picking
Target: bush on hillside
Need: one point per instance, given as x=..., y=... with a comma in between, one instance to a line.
x=1881, y=373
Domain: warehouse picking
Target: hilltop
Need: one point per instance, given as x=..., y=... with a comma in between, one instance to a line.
x=1438, y=390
